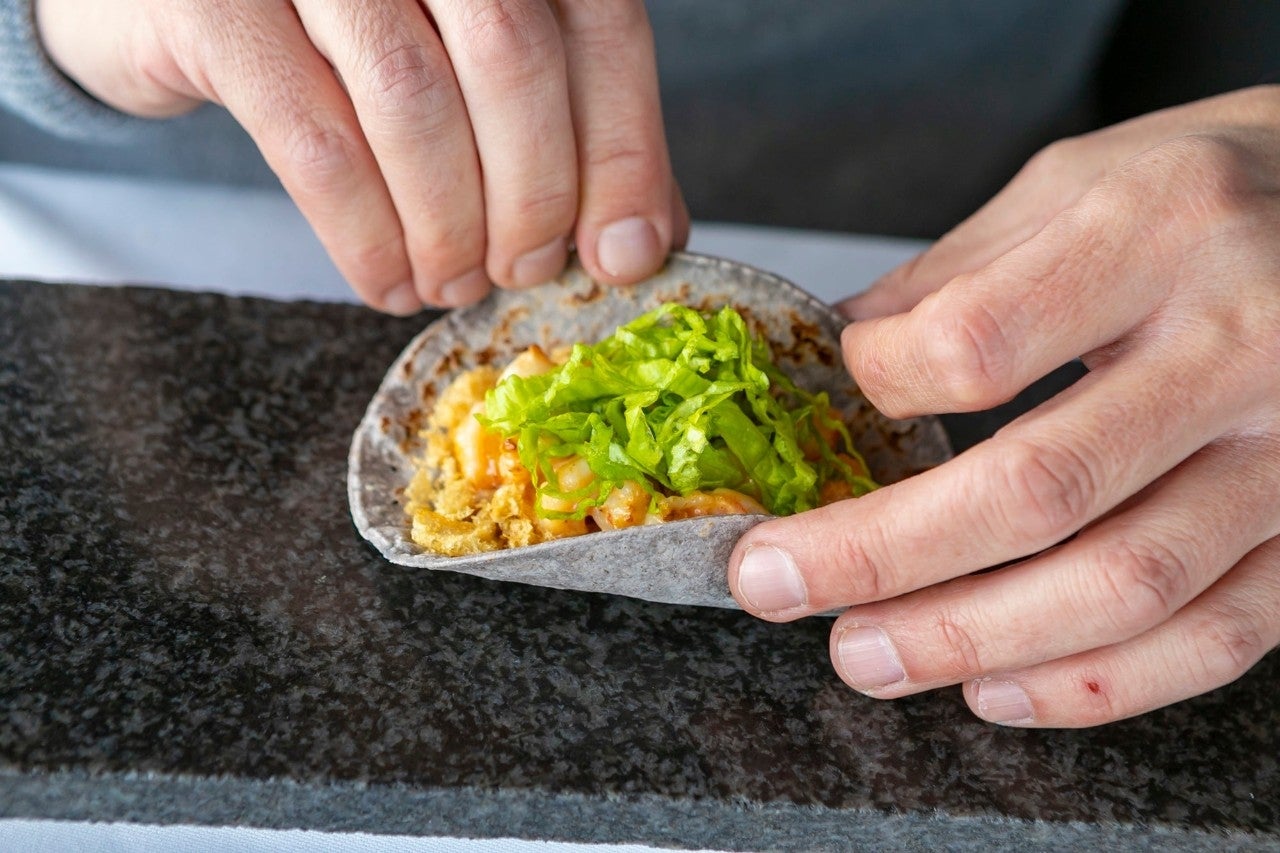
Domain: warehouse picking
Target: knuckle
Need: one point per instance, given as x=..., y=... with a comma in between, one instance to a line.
x=1227, y=644
x=630, y=164
x=1206, y=181
x=505, y=35
x=960, y=657
x=1059, y=174
x=864, y=578
x=450, y=251
x=1218, y=171
x=869, y=369
x=968, y=356
x=1053, y=162
x=1046, y=491
x=1145, y=583
x=373, y=267
x=623, y=175
x=320, y=158
x=408, y=81
x=546, y=208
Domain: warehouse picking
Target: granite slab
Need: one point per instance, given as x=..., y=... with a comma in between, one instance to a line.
x=192, y=631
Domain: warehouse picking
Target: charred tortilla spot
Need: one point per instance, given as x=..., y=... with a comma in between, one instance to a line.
x=502, y=330
x=411, y=424
x=415, y=349
x=808, y=341
x=681, y=293
x=450, y=363
x=593, y=292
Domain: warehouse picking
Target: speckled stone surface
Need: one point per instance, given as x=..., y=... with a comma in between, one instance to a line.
x=192, y=631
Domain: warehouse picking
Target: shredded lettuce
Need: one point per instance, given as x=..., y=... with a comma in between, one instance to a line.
x=677, y=401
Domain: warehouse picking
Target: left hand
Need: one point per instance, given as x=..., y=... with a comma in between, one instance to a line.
x=1143, y=503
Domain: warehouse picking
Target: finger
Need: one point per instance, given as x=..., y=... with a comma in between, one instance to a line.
x=286, y=97
x=1036, y=482
x=410, y=110
x=1211, y=642
x=511, y=67
x=984, y=337
x=1088, y=279
x=627, y=222
x=1117, y=579
x=1051, y=181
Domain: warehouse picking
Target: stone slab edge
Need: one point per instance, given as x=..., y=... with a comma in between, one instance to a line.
x=537, y=815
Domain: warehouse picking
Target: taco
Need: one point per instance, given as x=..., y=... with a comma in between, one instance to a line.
x=677, y=414
x=762, y=326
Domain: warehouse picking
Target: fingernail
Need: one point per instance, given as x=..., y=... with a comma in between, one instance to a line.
x=868, y=658
x=540, y=265
x=1003, y=702
x=402, y=300
x=466, y=289
x=769, y=580
x=629, y=248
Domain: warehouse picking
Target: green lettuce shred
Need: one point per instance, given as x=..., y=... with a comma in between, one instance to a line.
x=677, y=401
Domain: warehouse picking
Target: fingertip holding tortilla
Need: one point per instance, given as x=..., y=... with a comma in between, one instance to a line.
x=680, y=562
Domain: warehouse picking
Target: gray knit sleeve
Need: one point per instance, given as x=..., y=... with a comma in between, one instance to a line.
x=33, y=88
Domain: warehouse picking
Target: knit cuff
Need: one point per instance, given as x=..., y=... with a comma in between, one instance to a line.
x=32, y=87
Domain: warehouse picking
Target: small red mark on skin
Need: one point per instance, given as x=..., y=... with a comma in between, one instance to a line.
x=1094, y=687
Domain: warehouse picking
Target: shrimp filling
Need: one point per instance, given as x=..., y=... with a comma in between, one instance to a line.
x=472, y=492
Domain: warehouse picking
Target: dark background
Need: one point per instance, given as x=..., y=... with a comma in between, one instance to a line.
x=872, y=116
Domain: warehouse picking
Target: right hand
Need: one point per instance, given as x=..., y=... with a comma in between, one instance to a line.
x=434, y=147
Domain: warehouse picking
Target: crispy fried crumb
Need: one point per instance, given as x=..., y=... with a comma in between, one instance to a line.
x=449, y=514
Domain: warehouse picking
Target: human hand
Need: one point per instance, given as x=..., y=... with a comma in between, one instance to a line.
x=1143, y=503
x=432, y=146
